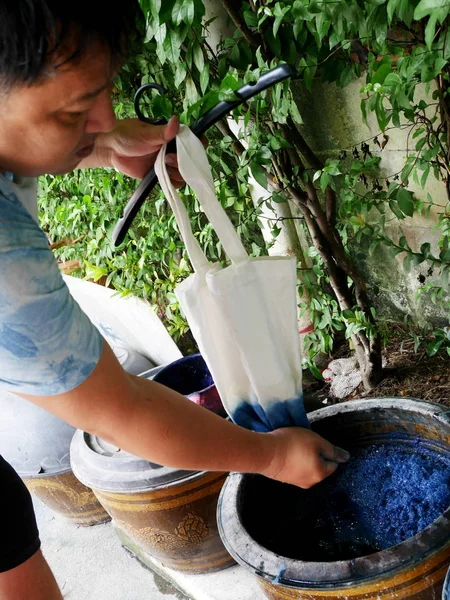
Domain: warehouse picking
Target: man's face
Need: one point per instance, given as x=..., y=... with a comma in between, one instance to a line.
x=50, y=126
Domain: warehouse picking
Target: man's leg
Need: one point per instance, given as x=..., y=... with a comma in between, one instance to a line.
x=24, y=573
x=32, y=580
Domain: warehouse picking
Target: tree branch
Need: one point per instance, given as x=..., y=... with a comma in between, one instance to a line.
x=225, y=130
x=294, y=136
x=232, y=7
x=331, y=206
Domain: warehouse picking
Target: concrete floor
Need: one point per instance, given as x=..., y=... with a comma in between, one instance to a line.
x=90, y=563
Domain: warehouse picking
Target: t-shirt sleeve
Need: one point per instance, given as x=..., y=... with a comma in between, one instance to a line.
x=48, y=345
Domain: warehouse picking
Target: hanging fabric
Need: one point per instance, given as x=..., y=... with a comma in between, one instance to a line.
x=244, y=316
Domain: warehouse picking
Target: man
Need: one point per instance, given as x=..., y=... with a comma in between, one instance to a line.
x=57, y=61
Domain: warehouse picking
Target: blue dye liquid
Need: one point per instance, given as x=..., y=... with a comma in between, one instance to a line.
x=386, y=494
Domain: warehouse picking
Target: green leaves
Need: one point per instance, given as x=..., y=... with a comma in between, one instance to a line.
x=425, y=249
x=278, y=198
x=171, y=46
x=279, y=13
x=240, y=56
x=403, y=9
x=191, y=91
x=183, y=12
x=204, y=78
x=273, y=42
x=259, y=173
x=383, y=70
x=428, y=7
x=412, y=260
x=328, y=41
x=197, y=53
x=356, y=321
x=180, y=74
x=437, y=11
x=430, y=30
x=251, y=19
x=405, y=202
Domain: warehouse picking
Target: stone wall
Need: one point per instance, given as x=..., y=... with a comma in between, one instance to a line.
x=332, y=122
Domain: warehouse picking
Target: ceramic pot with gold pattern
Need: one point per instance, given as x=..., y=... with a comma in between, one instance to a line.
x=37, y=445
x=67, y=496
x=253, y=511
x=166, y=513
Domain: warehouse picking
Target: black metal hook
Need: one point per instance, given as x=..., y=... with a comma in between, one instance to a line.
x=207, y=120
x=137, y=98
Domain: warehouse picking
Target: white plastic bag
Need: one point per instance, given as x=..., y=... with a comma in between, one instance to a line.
x=243, y=317
x=130, y=325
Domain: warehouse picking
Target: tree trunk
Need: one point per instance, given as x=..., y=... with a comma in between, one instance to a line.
x=321, y=223
x=288, y=242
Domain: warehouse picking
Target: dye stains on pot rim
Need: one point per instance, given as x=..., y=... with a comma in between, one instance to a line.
x=331, y=575
x=191, y=377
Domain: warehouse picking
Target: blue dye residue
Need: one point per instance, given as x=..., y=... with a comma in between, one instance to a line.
x=186, y=375
x=281, y=571
x=384, y=495
x=389, y=493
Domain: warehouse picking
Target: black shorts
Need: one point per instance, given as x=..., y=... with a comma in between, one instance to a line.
x=19, y=533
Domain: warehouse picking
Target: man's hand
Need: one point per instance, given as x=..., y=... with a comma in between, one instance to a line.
x=132, y=147
x=302, y=458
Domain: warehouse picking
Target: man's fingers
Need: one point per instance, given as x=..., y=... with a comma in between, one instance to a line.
x=171, y=129
x=174, y=175
x=154, y=136
x=329, y=467
x=171, y=159
x=341, y=455
x=334, y=453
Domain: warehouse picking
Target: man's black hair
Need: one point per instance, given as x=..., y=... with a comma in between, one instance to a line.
x=37, y=33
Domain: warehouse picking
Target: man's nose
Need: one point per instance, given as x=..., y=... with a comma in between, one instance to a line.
x=101, y=117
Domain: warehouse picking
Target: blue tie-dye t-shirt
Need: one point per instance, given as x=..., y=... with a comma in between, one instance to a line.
x=47, y=344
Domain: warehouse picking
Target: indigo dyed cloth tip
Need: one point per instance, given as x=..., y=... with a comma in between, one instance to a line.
x=287, y=413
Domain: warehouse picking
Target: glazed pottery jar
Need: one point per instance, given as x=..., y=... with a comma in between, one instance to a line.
x=37, y=444
x=254, y=514
x=166, y=513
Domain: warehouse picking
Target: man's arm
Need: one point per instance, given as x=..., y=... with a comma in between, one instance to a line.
x=162, y=426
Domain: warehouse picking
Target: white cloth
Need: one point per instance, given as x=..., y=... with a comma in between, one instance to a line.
x=344, y=375
x=244, y=316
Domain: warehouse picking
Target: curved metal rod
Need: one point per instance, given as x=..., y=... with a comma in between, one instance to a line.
x=210, y=118
x=137, y=98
